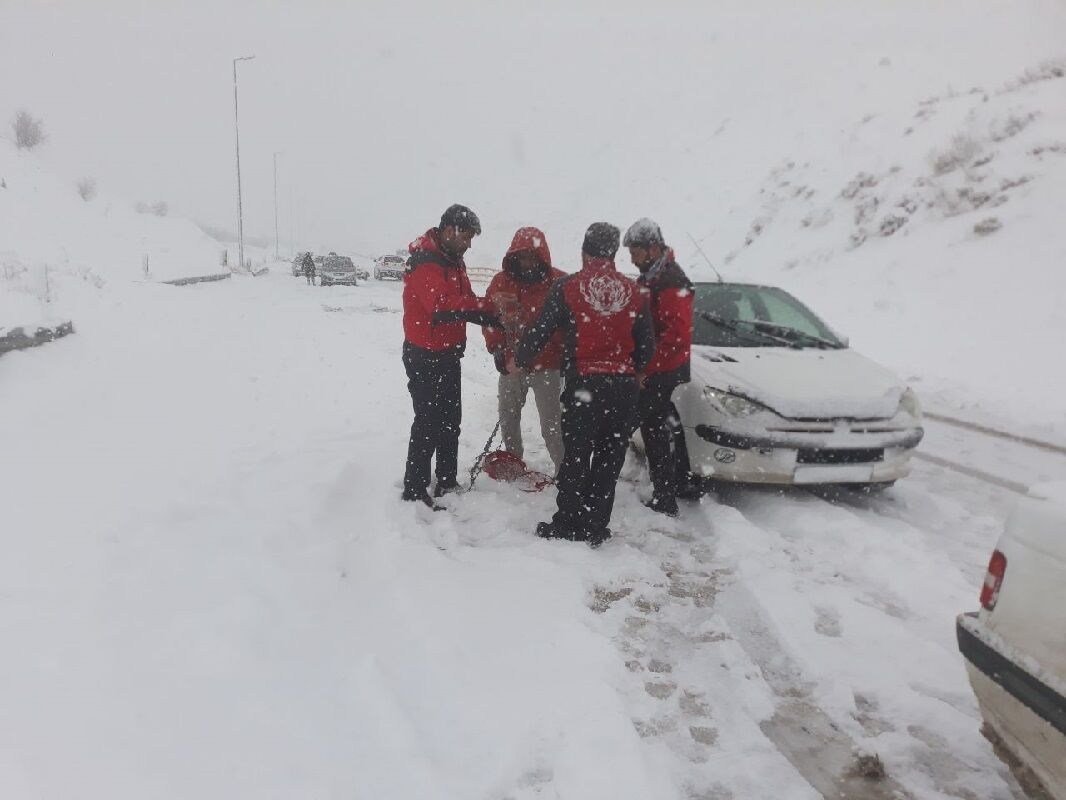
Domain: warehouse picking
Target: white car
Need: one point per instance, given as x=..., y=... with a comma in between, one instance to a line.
x=389, y=268
x=777, y=398
x=1015, y=646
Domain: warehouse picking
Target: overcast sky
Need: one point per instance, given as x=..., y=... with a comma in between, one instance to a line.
x=531, y=113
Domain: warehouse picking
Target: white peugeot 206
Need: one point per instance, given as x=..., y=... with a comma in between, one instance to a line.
x=776, y=397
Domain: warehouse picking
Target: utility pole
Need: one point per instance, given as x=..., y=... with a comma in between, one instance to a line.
x=277, y=252
x=237, y=133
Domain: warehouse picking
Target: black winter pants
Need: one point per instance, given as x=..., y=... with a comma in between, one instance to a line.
x=597, y=421
x=664, y=440
x=433, y=379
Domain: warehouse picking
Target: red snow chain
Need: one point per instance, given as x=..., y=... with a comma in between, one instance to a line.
x=509, y=468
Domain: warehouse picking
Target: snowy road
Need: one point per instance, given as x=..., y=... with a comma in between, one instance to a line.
x=209, y=589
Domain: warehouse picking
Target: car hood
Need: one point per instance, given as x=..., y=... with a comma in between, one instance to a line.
x=802, y=384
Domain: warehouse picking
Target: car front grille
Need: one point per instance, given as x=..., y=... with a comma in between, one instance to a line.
x=864, y=455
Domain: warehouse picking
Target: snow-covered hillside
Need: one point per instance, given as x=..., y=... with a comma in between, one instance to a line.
x=931, y=235
x=51, y=239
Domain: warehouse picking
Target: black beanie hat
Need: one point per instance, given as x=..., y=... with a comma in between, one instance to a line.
x=461, y=217
x=601, y=240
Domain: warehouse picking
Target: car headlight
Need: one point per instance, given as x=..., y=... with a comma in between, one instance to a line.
x=733, y=404
x=909, y=403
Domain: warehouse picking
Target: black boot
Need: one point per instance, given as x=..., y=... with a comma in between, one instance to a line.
x=423, y=498
x=663, y=506
x=548, y=530
x=442, y=489
x=597, y=537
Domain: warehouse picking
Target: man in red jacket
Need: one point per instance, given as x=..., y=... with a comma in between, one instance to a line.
x=518, y=292
x=671, y=295
x=607, y=340
x=437, y=304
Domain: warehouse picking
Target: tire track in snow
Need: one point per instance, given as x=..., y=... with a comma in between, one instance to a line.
x=823, y=547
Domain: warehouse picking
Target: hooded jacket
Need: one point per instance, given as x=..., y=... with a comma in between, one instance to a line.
x=604, y=319
x=519, y=300
x=437, y=298
x=671, y=311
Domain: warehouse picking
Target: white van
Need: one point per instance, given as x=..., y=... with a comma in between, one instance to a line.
x=1015, y=646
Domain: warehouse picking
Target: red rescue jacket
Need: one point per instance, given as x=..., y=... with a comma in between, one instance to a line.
x=437, y=298
x=671, y=311
x=520, y=301
x=605, y=321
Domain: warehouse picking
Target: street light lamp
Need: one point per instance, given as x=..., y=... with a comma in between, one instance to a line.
x=237, y=132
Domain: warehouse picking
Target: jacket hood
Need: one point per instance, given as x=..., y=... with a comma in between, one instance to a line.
x=528, y=239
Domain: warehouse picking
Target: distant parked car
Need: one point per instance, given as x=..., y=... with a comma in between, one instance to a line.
x=1015, y=646
x=389, y=268
x=298, y=266
x=337, y=269
x=776, y=397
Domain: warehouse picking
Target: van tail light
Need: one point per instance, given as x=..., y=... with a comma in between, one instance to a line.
x=997, y=567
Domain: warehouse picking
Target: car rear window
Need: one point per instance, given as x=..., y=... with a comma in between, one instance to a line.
x=339, y=262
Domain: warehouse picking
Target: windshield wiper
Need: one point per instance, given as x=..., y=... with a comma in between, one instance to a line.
x=752, y=333
x=793, y=334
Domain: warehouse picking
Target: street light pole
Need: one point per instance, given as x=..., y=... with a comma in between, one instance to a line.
x=277, y=252
x=237, y=133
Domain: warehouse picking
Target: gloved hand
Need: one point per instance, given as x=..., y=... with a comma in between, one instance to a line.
x=500, y=359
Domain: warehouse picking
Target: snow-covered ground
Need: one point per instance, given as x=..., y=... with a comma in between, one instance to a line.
x=209, y=589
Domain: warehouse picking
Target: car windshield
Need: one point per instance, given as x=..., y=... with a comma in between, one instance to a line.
x=744, y=315
x=340, y=263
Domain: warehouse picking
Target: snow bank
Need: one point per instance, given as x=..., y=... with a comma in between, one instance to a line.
x=49, y=237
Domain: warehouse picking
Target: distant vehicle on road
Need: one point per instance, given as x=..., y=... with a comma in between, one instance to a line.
x=389, y=268
x=337, y=269
x=297, y=264
x=776, y=397
x=1015, y=646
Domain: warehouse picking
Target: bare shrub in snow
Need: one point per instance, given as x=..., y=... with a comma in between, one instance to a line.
x=1057, y=147
x=864, y=180
x=1012, y=183
x=29, y=131
x=87, y=189
x=891, y=224
x=962, y=150
x=857, y=238
x=1045, y=71
x=865, y=209
x=1014, y=124
x=987, y=226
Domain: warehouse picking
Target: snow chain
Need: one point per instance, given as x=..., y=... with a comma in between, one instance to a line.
x=476, y=469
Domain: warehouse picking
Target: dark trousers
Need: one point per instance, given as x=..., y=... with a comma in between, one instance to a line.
x=597, y=421
x=310, y=278
x=664, y=440
x=433, y=379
